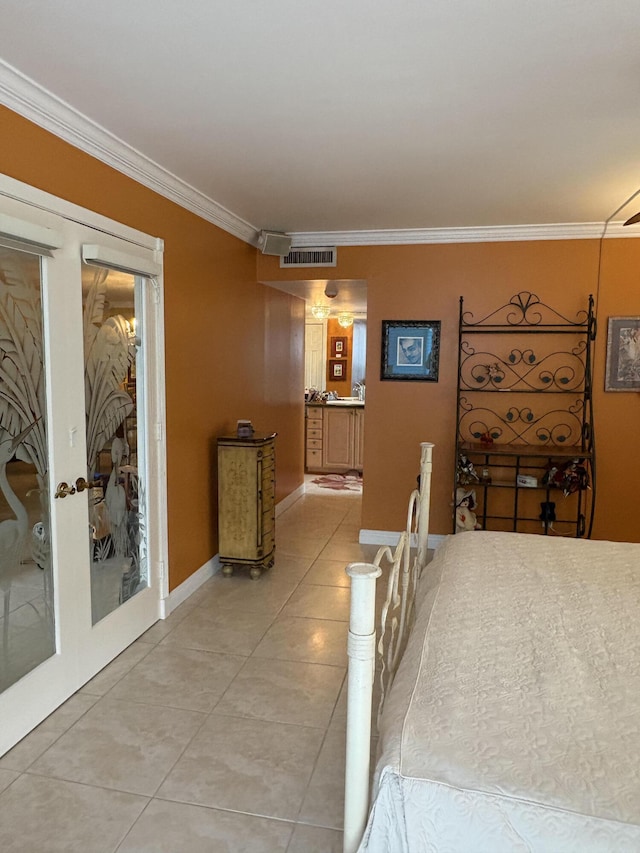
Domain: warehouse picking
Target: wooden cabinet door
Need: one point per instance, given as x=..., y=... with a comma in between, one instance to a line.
x=337, y=440
x=358, y=439
x=239, y=511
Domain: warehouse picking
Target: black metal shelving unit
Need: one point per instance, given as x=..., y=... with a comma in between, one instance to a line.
x=524, y=417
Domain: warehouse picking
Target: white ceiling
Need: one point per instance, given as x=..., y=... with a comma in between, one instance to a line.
x=312, y=116
x=351, y=294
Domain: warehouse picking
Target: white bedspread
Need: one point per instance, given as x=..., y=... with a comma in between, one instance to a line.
x=514, y=720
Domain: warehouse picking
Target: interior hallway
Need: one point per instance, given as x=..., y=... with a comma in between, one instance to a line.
x=221, y=729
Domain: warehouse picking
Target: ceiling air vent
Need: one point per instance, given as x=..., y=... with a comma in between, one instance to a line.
x=314, y=256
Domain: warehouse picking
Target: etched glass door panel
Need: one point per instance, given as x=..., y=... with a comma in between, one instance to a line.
x=27, y=637
x=113, y=353
x=81, y=524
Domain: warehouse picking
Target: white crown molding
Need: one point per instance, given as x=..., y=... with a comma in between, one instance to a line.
x=25, y=97
x=484, y=234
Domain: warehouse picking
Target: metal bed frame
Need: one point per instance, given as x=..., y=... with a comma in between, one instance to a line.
x=404, y=565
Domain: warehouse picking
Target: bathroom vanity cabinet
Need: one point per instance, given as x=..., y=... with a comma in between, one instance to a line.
x=334, y=438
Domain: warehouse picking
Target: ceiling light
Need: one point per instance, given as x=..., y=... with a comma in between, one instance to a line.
x=331, y=290
x=345, y=319
x=320, y=312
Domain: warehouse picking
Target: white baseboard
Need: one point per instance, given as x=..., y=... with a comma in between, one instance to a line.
x=391, y=537
x=192, y=583
x=213, y=566
x=285, y=503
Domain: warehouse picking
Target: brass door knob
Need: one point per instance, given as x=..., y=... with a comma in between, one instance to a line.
x=63, y=490
x=82, y=484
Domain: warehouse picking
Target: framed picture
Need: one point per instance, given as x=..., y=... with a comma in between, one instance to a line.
x=337, y=370
x=623, y=354
x=338, y=347
x=410, y=349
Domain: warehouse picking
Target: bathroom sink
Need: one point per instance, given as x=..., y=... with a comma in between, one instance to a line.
x=346, y=401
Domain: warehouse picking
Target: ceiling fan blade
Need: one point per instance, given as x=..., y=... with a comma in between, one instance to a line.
x=632, y=219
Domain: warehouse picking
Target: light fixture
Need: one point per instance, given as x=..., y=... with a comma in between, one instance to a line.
x=345, y=319
x=331, y=290
x=633, y=220
x=320, y=312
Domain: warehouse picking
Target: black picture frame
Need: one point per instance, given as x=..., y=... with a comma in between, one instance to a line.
x=623, y=354
x=410, y=350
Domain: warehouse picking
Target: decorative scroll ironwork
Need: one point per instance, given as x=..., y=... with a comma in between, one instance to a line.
x=521, y=425
x=526, y=309
x=522, y=369
x=524, y=381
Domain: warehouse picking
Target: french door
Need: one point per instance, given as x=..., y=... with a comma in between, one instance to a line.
x=82, y=494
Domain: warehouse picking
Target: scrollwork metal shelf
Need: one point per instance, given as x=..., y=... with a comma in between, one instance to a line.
x=530, y=401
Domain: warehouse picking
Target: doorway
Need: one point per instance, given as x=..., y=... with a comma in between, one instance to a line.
x=80, y=313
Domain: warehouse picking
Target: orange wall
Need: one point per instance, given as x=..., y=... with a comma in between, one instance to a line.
x=425, y=283
x=234, y=348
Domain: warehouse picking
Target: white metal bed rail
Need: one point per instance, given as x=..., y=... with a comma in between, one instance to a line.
x=396, y=620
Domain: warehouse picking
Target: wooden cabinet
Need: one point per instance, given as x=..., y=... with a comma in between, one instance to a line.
x=334, y=438
x=246, y=502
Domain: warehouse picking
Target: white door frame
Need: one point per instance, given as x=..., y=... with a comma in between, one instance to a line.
x=26, y=703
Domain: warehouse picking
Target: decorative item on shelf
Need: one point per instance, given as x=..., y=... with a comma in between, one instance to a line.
x=320, y=312
x=526, y=481
x=486, y=438
x=244, y=429
x=571, y=476
x=465, y=515
x=345, y=318
x=548, y=513
x=466, y=473
x=485, y=476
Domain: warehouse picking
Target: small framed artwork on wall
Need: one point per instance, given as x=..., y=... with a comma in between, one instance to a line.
x=623, y=354
x=337, y=370
x=338, y=347
x=410, y=349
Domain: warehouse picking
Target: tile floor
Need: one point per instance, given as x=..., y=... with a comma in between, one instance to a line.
x=221, y=729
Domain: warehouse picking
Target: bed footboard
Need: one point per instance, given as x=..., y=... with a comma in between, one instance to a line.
x=361, y=650
x=404, y=571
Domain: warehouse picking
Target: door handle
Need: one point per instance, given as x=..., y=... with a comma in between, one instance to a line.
x=82, y=484
x=63, y=490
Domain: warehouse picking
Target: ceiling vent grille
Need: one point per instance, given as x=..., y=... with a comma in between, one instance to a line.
x=314, y=256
